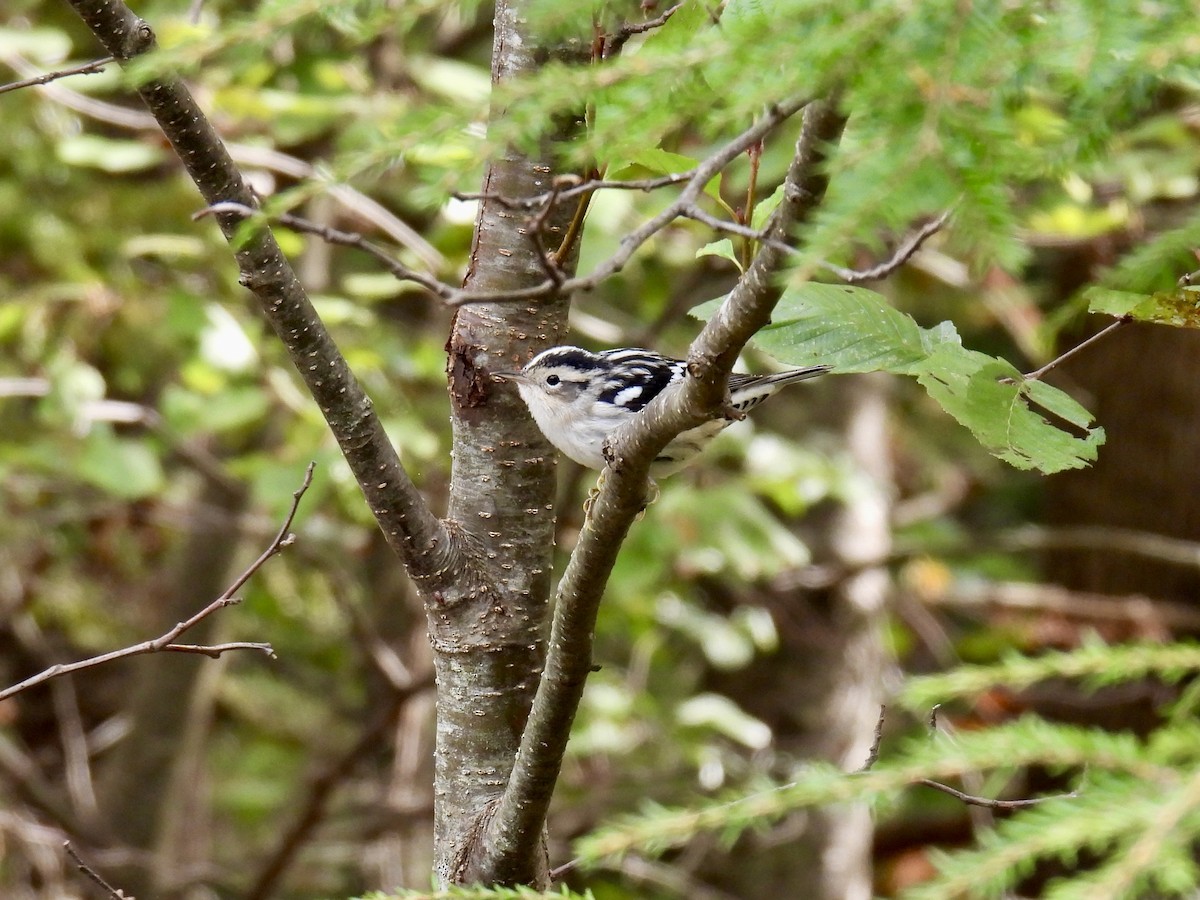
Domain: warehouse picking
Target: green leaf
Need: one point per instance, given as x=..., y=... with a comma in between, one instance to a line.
x=1180, y=307
x=850, y=328
x=990, y=397
x=722, y=248
x=660, y=162
x=108, y=155
x=121, y=466
x=854, y=329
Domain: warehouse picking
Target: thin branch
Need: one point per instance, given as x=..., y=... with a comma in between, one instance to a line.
x=735, y=228
x=335, y=236
x=876, y=740
x=614, y=42
x=85, y=69
x=1099, y=335
x=687, y=198
x=969, y=799
x=988, y=802
x=519, y=814
x=645, y=185
x=684, y=206
x=902, y=255
x=433, y=556
x=215, y=650
x=91, y=873
x=537, y=234
x=166, y=642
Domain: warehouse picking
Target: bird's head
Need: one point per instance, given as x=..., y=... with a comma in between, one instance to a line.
x=556, y=378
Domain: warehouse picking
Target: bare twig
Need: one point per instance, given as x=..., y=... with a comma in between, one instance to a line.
x=614, y=42
x=1102, y=333
x=988, y=802
x=85, y=69
x=683, y=206
x=334, y=236
x=687, y=198
x=969, y=799
x=584, y=187
x=537, y=234
x=166, y=642
x=876, y=740
x=902, y=255
x=91, y=873
x=716, y=223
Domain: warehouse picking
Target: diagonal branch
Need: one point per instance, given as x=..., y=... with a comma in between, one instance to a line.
x=519, y=814
x=166, y=642
x=96, y=65
x=411, y=529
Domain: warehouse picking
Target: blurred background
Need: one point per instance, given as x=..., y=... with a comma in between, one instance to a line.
x=152, y=433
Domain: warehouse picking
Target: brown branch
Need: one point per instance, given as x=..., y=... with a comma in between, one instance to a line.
x=91, y=873
x=615, y=41
x=433, y=557
x=166, y=642
x=687, y=198
x=684, y=205
x=969, y=799
x=988, y=802
x=555, y=283
x=537, y=233
x=583, y=188
x=1063, y=357
x=85, y=69
x=518, y=816
x=876, y=741
x=335, y=236
x=902, y=255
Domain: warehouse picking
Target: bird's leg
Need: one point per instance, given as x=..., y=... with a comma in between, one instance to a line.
x=653, y=492
x=593, y=494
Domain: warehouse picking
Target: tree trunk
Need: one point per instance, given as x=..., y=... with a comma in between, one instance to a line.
x=489, y=650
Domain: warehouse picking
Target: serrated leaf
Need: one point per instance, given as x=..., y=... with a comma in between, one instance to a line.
x=850, y=328
x=1180, y=307
x=989, y=396
x=855, y=329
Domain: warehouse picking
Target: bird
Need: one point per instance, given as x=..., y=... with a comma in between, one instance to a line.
x=579, y=398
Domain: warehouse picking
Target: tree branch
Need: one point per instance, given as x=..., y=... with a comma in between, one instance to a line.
x=518, y=816
x=92, y=874
x=86, y=69
x=555, y=283
x=902, y=255
x=166, y=642
x=433, y=558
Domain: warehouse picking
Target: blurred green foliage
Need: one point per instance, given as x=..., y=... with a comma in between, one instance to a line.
x=133, y=370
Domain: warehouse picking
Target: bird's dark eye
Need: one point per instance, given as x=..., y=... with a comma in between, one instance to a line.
x=553, y=380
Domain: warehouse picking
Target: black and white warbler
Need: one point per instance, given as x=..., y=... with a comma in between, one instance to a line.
x=578, y=398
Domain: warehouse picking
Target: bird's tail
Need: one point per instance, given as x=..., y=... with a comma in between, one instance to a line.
x=782, y=378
